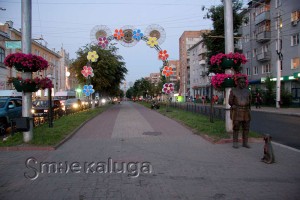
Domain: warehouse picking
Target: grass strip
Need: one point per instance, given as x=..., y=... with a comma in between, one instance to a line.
x=62, y=127
x=200, y=124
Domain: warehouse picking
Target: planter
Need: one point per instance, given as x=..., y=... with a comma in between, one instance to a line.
x=25, y=87
x=227, y=63
x=21, y=68
x=228, y=82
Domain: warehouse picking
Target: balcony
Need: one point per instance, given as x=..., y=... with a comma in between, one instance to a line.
x=262, y=17
x=263, y=36
x=265, y=56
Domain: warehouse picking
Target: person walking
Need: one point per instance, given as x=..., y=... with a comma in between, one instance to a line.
x=258, y=100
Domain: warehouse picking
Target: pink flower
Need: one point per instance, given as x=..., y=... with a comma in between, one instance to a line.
x=168, y=88
x=87, y=71
x=26, y=62
x=102, y=42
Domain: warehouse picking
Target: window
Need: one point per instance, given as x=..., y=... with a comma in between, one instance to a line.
x=295, y=39
x=266, y=68
x=254, y=53
x=2, y=55
x=246, y=38
x=278, y=3
x=295, y=16
x=295, y=62
x=248, y=72
x=255, y=70
x=248, y=54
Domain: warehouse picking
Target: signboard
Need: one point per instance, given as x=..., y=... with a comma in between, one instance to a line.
x=13, y=44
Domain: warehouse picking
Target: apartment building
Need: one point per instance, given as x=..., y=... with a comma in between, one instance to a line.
x=186, y=41
x=271, y=33
x=199, y=83
x=155, y=78
x=58, y=61
x=175, y=65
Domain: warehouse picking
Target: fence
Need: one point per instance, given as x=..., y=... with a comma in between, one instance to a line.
x=218, y=112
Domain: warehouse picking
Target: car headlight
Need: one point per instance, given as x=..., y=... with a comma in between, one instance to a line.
x=75, y=105
x=32, y=111
x=103, y=100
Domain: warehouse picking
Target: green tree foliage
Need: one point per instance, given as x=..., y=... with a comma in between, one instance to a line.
x=216, y=45
x=109, y=70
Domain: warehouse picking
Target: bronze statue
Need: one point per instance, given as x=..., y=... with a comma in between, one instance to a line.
x=268, y=151
x=240, y=102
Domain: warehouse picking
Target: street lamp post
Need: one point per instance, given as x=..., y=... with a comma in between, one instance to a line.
x=211, y=119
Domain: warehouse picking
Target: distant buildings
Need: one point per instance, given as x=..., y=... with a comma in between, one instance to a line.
x=58, y=61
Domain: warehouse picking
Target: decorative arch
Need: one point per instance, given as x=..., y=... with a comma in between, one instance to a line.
x=129, y=36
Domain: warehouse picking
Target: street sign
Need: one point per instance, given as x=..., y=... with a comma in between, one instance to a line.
x=13, y=44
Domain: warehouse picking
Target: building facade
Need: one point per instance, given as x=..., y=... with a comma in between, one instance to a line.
x=175, y=65
x=271, y=33
x=155, y=78
x=57, y=60
x=186, y=41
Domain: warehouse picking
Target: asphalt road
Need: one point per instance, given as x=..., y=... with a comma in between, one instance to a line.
x=284, y=129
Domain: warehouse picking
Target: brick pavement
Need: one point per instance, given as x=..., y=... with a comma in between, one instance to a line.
x=184, y=165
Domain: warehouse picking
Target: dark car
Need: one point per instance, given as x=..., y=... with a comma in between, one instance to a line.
x=73, y=105
x=10, y=108
x=40, y=110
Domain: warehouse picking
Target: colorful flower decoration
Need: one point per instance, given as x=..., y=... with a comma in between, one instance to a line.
x=167, y=71
x=137, y=34
x=87, y=71
x=103, y=42
x=168, y=88
x=118, y=34
x=152, y=41
x=88, y=90
x=163, y=55
x=92, y=56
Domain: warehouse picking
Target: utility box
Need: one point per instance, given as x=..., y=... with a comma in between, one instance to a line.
x=22, y=123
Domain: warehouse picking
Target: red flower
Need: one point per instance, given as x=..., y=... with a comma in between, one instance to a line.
x=163, y=55
x=167, y=71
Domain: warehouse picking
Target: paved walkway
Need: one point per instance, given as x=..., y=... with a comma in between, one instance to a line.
x=182, y=165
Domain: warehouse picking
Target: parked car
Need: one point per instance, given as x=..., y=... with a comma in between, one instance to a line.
x=10, y=108
x=40, y=110
x=73, y=105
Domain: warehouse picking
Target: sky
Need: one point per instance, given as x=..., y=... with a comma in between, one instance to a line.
x=68, y=23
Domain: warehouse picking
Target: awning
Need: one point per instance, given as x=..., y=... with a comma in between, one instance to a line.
x=258, y=81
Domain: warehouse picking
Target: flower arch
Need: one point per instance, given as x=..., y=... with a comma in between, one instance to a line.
x=128, y=36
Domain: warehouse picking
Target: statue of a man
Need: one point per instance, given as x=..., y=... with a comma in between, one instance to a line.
x=240, y=102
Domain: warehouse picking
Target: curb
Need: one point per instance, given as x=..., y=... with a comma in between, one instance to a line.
x=47, y=148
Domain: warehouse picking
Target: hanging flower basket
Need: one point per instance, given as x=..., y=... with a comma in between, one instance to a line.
x=228, y=82
x=25, y=87
x=30, y=85
x=25, y=62
x=227, y=61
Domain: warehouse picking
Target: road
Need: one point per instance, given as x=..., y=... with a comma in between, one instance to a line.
x=163, y=160
x=284, y=129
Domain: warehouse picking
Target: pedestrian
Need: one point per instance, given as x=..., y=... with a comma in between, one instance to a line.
x=203, y=100
x=216, y=99
x=240, y=102
x=258, y=100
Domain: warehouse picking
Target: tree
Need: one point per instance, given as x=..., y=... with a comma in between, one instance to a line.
x=214, y=40
x=109, y=70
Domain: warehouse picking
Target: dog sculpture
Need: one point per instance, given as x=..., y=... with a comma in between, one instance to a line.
x=268, y=151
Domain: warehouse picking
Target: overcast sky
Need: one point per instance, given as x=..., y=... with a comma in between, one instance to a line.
x=70, y=22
